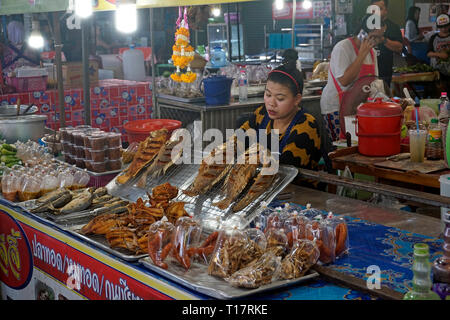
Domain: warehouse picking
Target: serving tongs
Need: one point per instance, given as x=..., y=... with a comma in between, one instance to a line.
x=26, y=110
x=82, y=214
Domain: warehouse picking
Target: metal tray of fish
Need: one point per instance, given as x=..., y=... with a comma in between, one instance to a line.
x=201, y=207
x=99, y=241
x=198, y=279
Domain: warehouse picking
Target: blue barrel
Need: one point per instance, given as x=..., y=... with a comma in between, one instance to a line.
x=217, y=90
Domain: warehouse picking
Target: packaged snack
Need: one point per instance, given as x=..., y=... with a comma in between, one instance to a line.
x=159, y=237
x=277, y=242
x=79, y=162
x=228, y=252
x=341, y=233
x=323, y=234
x=256, y=246
x=295, y=228
x=186, y=235
x=204, y=251
x=98, y=166
x=97, y=155
x=97, y=141
x=78, y=137
x=304, y=254
x=311, y=213
x=114, y=165
x=259, y=273
x=113, y=153
x=79, y=152
x=114, y=140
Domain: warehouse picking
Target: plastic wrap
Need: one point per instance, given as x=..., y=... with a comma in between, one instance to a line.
x=159, y=241
x=186, y=235
x=228, y=252
x=323, y=233
x=311, y=213
x=277, y=241
x=257, y=274
x=304, y=254
x=203, y=252
x=295, y=228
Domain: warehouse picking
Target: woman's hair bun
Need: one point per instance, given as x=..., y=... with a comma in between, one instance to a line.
x=290, y=57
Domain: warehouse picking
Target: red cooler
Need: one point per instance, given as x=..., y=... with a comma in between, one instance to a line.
x=378, y=127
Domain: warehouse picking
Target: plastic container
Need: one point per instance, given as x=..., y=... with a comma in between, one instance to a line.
x=79, y=162
x=243, y=86
x=97, y=141
x=66, y=146
x=378, y=128
x=217, y=90
x=133, y=65
x=28, y=84
x=139, y=130
x=113, y=153
x=98, y=166
x=114, y=140
x=218, y=57
x=114, y=165
x=78, y=137
x=97, y=155
x=79, y=152
x=434, y=141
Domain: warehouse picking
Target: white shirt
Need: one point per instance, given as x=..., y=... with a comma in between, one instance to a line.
x=342, y=56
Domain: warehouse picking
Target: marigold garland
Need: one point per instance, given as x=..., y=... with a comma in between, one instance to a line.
x=183, y=53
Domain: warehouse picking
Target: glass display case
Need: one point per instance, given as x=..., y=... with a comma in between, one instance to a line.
x=218, y=36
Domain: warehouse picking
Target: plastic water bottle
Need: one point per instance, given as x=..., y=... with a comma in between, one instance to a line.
x=434, y=143
x=443, y=108
x=133, y=65
x=243, y=86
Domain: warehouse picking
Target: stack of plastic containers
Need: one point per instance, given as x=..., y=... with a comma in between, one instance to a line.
x=91, y=148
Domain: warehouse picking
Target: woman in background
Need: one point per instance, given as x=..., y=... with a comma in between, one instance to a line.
x=412, y=32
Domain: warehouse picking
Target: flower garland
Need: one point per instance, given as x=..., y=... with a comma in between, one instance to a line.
x=183, y=52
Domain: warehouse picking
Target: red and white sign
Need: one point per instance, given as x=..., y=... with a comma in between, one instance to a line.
x=286, y=12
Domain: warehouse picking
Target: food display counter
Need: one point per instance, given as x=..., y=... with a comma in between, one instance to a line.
x=49, y=257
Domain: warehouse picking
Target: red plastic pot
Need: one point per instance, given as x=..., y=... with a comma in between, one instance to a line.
x=378, y=126
x=139, y=130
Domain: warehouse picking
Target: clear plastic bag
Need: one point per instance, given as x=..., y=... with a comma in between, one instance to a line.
x=227, y=256
x=277, y=242
x=304, y=254
x=323, y=234
x=341, y=234
x=256, y=246
x=257, y=274
x=311, y=212
x=187, y=234
x=295, y=228
x=203, y=252
x=159, y=241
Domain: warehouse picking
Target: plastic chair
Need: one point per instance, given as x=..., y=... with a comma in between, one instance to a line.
x=147, y=51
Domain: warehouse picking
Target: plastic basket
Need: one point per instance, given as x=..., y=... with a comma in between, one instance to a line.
x=28, y=84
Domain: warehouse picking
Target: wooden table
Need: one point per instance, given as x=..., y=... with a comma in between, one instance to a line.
x=358, y=163
x=409, y=80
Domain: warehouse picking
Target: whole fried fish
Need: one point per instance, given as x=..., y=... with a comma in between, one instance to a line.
x=53, y=195
x=164, y=159
x=239, y=177
x=83, y=201
x=146, y=153
x=211, y=172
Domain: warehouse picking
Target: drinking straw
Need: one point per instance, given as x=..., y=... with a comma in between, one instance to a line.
x=417, y=120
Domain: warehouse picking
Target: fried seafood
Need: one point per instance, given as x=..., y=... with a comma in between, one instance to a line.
x=302, y=257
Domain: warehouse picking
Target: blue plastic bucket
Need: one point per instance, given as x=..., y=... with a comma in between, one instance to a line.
x=217, y=90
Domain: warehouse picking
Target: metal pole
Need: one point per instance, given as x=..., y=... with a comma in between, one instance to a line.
x=238, y=31
x=85, y=25
x=294, y=12
x=230, y=51
x=59, y=75
x=154, y=99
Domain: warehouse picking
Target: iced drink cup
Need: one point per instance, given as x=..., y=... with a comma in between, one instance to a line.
x=417, y=141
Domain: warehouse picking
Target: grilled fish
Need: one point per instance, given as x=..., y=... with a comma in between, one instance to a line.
x=53, y=195
x=164, y=160
x=100, y=192
x=146, y=153
x=239, y=177
x=83, y=201
x=211, y=171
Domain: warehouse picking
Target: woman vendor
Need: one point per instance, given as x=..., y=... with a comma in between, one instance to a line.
x=351, y=59
x=299, y=140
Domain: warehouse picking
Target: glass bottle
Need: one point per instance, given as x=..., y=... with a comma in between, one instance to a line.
x=422, y=275
x=441, y=266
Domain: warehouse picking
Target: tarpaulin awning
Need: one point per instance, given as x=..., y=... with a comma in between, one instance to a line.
x=111, y=4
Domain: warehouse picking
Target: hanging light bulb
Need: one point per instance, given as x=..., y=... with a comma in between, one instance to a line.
x=307, y=4
x=279, y=4
x=126, y=16
x=83, y=8
x=35, y=40
x=216, y=11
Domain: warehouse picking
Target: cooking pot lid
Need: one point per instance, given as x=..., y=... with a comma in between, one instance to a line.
x=379, y=108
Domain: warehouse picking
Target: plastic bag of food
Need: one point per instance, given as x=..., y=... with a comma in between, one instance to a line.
x=323, y=234
x=311, y=212
x=256, y=246
x=304, y=254
x=295, y=228
x=227, y=255
x=277, y=218
x=341, y=234
x=159, y=241
x=186, y=235
x=277, y=242
x=257, y=274
x=203, y=252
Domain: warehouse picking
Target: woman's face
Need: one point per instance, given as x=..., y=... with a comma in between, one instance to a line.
x=279, y=100
x=377, y=34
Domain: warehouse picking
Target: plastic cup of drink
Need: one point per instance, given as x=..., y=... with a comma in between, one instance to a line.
x=417, y=140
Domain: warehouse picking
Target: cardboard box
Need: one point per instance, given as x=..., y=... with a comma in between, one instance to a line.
x=73, y=73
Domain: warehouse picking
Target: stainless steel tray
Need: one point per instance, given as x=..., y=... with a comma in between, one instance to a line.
x=97, y=174
x=99, y=241
x=211, y=217
x=197, y=279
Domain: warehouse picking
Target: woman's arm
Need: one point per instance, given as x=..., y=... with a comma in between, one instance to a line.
x=352, y=72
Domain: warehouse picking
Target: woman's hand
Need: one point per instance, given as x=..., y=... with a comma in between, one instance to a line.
x=366, y=45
